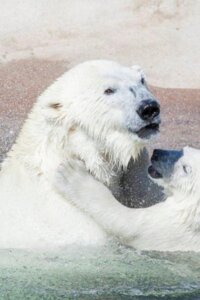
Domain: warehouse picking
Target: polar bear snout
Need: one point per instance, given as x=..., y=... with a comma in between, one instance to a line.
x=148, y=110
x=163, y=162
x=149, y=113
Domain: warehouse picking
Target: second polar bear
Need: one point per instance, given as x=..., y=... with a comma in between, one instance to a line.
x=98, y=112
x=168, y=226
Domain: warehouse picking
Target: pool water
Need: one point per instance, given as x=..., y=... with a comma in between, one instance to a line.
x=111, y=272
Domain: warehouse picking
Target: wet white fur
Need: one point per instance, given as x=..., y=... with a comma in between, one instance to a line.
x=168, y=226
x=73, y=118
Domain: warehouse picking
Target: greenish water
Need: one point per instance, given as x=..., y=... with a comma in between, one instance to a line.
x=112, y=272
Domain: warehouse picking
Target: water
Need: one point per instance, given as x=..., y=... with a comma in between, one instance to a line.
x=112, y=272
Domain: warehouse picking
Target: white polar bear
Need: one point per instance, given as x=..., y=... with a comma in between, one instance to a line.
x=168, y=226
x=98, y=112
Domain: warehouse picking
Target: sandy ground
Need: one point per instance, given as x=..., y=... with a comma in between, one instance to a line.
x=160, y=35
x=22, y=81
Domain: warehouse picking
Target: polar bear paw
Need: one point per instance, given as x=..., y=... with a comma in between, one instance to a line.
x=75, y=183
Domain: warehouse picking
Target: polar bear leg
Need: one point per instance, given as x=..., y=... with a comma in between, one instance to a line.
x=91, y=196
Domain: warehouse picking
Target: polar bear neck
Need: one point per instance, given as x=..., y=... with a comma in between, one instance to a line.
x=121, y=147
x=40, y=145
x=105, y=153
x=189, y=210
x=45, y=144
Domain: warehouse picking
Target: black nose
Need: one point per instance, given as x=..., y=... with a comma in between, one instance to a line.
x=166, y=155
x=148, y=110
x=163, y=161
x=159, y=154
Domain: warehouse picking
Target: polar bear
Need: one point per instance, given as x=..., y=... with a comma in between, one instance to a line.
x=168, y=226
x=100, y=113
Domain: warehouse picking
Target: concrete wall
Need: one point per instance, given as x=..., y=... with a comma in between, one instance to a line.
x=162, y=36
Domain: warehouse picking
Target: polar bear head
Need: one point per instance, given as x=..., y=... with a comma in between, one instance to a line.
x=177, y=171
x=109, y=102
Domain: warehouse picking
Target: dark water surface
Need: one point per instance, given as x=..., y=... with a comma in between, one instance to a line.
x=112, y=272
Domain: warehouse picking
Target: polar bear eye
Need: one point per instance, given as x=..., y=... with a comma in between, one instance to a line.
x=142, y=80
x=187, y=169
x=109, y=91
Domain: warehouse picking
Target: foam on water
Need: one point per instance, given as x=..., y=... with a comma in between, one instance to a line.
x=113, y=272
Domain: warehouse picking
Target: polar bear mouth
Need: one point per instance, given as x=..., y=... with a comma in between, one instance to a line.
x=154, y=173
x=148, y=130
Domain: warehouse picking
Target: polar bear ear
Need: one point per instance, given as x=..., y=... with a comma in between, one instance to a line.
x=139, y=70
x=55, y=105
x=52, y=110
